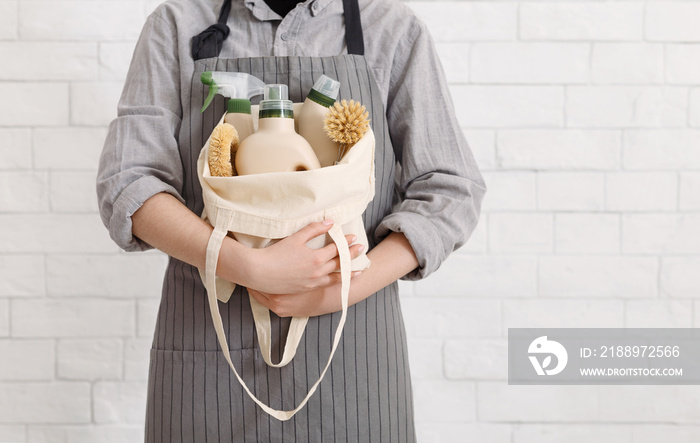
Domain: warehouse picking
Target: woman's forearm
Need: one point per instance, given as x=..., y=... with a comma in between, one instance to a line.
x=391, y=259
x=166, y=224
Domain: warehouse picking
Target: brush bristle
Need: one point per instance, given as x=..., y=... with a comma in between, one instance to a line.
x=346, y=122
x=222, y=148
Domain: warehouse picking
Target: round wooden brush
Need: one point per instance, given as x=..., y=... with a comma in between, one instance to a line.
x=346, y=123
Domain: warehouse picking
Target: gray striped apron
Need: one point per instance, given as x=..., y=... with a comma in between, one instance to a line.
x=366, y=394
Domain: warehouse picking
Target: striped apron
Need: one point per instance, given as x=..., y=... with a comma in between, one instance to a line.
x=366, y=394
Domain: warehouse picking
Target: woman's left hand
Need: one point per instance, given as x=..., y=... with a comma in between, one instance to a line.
x=319, y=301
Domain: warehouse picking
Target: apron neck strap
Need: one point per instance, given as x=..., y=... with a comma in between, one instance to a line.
x=209, y=42
x=353, y=28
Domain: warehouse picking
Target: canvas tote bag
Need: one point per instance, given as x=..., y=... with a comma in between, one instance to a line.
x=260, y=209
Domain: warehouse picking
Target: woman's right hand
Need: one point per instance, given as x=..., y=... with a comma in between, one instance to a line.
x=290, y=266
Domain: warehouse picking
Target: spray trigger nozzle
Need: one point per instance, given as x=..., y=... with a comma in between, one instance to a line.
x=233, y=85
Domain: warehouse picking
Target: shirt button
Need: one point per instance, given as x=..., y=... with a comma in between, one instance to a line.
x=284, y=37
x=315, y=6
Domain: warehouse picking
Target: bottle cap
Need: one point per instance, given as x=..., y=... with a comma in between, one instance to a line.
x=238, y=106
x=325, y=91
x=276, y=102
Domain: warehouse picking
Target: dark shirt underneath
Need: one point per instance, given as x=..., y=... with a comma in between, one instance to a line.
x=282, y=7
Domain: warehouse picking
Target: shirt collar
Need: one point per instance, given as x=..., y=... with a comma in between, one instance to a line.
x=263, y=12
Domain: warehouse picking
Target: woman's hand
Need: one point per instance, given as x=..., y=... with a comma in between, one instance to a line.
x=291, y=267
x=319, y=301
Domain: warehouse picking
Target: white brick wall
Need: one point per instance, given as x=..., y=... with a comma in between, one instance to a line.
x=585, y=118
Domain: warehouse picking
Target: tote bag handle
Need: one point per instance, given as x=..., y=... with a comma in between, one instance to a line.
x=262, y=317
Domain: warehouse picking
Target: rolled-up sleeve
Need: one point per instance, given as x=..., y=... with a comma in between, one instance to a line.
x=140, y=157
x=439, y=186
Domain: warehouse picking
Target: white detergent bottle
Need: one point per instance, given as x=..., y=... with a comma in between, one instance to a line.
x=275, y=147
x=239, y=88
x=310, y=119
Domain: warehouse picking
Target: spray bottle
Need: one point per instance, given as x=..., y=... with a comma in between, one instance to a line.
x=239, y=88
x=314, y=109
x=275, y=147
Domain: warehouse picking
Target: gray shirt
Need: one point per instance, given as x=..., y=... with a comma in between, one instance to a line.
x=439, y=187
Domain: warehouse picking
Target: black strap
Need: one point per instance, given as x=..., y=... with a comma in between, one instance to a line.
x=353, y=28
x=209, y=42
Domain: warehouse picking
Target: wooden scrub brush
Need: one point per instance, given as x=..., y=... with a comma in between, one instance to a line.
x=346, y=123
x=222, y=148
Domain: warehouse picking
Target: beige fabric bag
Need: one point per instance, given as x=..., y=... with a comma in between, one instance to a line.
x=263, y=208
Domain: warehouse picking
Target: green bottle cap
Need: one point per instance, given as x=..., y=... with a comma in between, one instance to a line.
x=238, y=106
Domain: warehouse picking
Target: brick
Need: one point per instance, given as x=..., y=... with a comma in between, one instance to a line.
x=661, y=149
x=598, y=276
x=627, y=63
x=683, y=63
x=4, y=318
x=510, y=191
x=89, y=359
x=680, y=277
x=626, y=106
x=582, y=313
x=68, y=148
x=694, y=108
x=53, y=234
x=455, y=432
x=444, y=401
x=630, y=404
x=50, y=61
x=15, y=148
x=24, y=191
x=451, y=318
x=476, y=359
x=477, y=242
x=454, y=57
x=689, y=191
x=146, y=314
x=45, y=402
x=482, y=276
x=455, y=21
x=425, y=357
x=115, y=59
x=73, y=192
x=8, y=19
x=94, y=104
x=498, y=401
x=570, y=191
x=581, y=21
x=482, y=106
x=69, y=318
x=568, y=149
x=105, y=275
x=119, y=402
x=659, y=314
x=85, y=434
x=643, y=433
x=24, y=360
x=27, y=104
x=641, y=191
x=520, y=233
x=587, y=233
x=509, y=62
x=660, y=234
x=570, y=433
x=136, y=358
x=22, y=275
x=79, y=20
x=13, y=433
x=483, y=146
x=672, y=22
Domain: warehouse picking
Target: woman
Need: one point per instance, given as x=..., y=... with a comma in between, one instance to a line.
x=150, y=197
